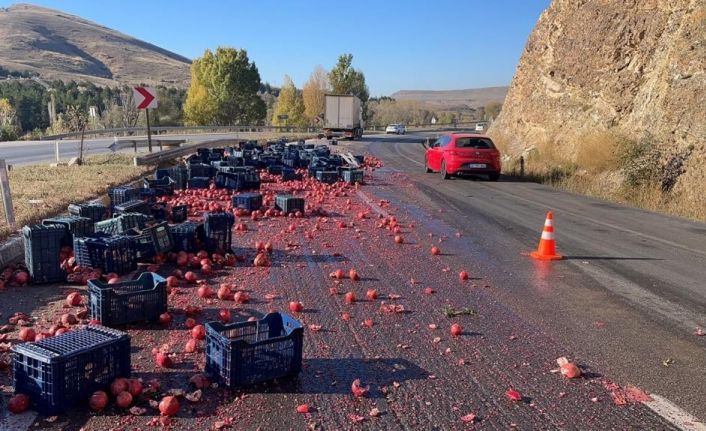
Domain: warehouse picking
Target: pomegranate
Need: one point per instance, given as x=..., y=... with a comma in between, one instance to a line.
x=200, y=381
x=164, y=319
x=172, y=281
x=191, y=346
x=435, y=251
x=120, y=384
x=135, y=387
x=224, y=315
x=463, y=275
x=399, y=239
x=27, y=334
x=68, y=319
x=204, y=292
x=169, y=406
x=74, y=299
x=18, y=403
x=241, y=297
x=350, y=298
x=372, y=294
x=163, y=360
x=98, y=401
x=570, y=370
x=353, y=275
x=224, y=292
x=456, y=330
x=190, y=323
x=123, y=400
x=296, y=307
x=190, y=277
x=198, y=332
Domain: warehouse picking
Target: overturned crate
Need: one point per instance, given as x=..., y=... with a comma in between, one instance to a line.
x=133, y=206
x=252, y=352
x=122, y=223
x=151, y=241
x=218, y=230
x=131, y=301
x=109, y=253
x=73, y=225
x=120, y=195
x=60, y=371
x=247, y=201
x=42, y=246
x=328, y=177
x=289, y=203
x=352, y=176
x=95, y=212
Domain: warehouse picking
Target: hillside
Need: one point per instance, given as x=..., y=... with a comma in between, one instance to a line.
x=453, y=99
x=57, y=45
x=599, y=79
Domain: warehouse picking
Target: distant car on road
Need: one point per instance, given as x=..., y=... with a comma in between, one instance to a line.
x=398, y=129
x=463, y=153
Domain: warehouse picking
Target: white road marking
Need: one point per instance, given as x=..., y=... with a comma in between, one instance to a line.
x=674, y=414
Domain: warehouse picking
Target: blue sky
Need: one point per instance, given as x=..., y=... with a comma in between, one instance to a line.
x=415, y=44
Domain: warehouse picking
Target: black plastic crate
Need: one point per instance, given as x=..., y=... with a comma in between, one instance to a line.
x=353, y=176
x=60, y=371
x=201, y=170
x=274, y=169
x=122, y=223
x=109, y=253
x=290, y=162
x=73, y=225
x=289, y=174
x=180, y=175
x=187, y=236
x=289, y=203
x=328, y=177
x=229, y=181
x=218, y=230
x=248, y=201
x=131, y=301
x=158, y=211
x=180, y=213
x=247, y=353
x=199, y=182
x=42, y=246
x=152, y=241
x=95, y=212
x=162, y=187
x=119, y=195
x=134, y=206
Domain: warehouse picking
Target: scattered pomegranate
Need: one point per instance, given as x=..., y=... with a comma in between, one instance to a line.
x=191, y=346
x=435, y=251
x=18, y=404
x=200, y=381
x=198, y=332
x=163, y=360
x=190, y=277
x=456, y=330
x=204, y=292
x=27, y=334
x=68, y=319
x=296, y=307
x=372, y=294
x=135, y=387
x=303, y=408
x=165, y=318
x=123, y=400
x=74, y=299
x=359, y=391
x=350, y=297
x=172, y=281
x=169, y=406
x=241, y=297
x=399, y=239
x=120, y=384
x=224, y=315
x=353, y=275
x=224, y=292
x=463, y=275
x=513, y=395
x=98, y=401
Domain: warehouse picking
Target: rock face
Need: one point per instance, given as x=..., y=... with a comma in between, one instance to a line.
x=629, y=66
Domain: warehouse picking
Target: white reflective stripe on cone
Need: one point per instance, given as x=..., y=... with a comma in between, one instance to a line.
x=548, y=235
x=549, y=222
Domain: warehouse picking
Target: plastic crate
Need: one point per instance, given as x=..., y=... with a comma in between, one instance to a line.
x=122, y=223
x=180, y=175
x=151, y=241
x=158, y=211
x=42, y=245
x=289, y=203
x=109, y=253
x=119, y=195
x=218, y=231
x=180, y=213
x=187, y=236
x=274, y=169
x=134, y=206
x=60, y=371
x=73, y=225
x=248, y=201
x=200, y=170
x=289, y=174
x=95, y=212
x=353, y=176
x=131, y=301
x=162, y=187
x=247, y=353
x=328, y=177
x=229, y=181
x=199, y=182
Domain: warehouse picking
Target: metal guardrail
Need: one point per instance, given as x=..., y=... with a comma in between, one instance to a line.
x=157, y=130
x=171, y=154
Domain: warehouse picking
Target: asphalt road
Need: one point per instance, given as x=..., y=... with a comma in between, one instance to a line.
x=629, y=295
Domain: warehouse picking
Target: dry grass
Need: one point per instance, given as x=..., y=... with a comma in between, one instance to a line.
x=597, y=152
x=40, y=191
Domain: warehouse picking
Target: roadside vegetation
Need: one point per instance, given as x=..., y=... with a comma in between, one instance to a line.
x=40, y=192
x=645, y=173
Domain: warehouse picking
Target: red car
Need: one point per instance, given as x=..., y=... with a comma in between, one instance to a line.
x=463, y=153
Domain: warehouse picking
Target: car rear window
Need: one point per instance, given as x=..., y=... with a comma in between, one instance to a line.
x=477, y=143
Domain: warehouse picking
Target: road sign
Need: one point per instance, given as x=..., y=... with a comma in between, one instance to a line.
x=6, y=196
x=145, y=97
x=317, y=119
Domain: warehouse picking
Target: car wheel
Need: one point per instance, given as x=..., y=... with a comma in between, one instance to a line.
x=445, y=175
x=494, y=176
x=427, y=169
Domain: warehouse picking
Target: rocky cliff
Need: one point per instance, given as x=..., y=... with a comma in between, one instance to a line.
x=635, y=66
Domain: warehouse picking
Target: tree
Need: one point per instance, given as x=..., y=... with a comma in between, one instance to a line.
x=346, y=80
x=76, y=120
x=291, y=104
x=314, y=93
x=491, y=110
x=9, y=124
x=224, y=89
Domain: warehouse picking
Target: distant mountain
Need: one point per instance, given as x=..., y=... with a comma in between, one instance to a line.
x=57, y=45
x=454, y=99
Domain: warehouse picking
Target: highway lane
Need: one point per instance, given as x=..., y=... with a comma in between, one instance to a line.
x=629, y=295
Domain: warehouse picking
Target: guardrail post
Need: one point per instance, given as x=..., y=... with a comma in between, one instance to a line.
x=56, y=151
x=6, y=196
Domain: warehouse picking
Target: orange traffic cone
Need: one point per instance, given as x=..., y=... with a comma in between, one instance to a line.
x=547, y=244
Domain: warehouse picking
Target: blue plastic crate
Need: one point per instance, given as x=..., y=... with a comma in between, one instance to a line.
x=122, y=223
x=289, y=174
x=201, y=170
x=199, y=182
x=158, y=211
x=248, y=201
x=180, y=213
x=246, y=353
x=109, y=253
x=229, y=181
x=328, y=177
x=119, y=195
x=73, y=225
x=131, y=301
x=133, y=206
x=162, y=187
x=289, y=203
x=42, y=245
x=95, y=212
x=274, y=169
x=151, y=241
x=218, y=231
x=187, y=236
x=353, y=176
x=178, y=174
x=60, y=371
